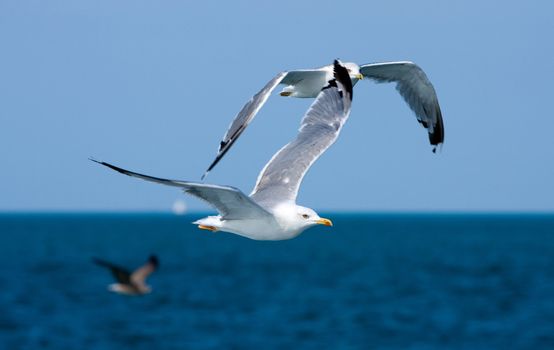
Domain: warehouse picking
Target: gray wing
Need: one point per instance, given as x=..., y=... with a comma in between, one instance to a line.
x=280, y=179
x=230, y=202
x=251, y=108
x=139, y=275
x=417, y=91
x=243, y=118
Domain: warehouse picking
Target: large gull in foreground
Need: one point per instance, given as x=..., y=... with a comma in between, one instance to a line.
x=271, y=212
x=411, y=83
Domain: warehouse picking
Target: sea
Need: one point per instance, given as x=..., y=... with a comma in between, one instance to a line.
x=372, y=281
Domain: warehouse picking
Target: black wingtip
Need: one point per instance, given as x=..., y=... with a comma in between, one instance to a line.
x=212, y=165
x=113, y=167
x=436, y=138
x=342, y=76
x=224, y=147
x=153, y=259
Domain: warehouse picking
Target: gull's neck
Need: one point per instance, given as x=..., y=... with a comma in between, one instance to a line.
x=286, y=215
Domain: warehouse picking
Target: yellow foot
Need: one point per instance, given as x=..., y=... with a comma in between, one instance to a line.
x=209, y=228
x=285, y=93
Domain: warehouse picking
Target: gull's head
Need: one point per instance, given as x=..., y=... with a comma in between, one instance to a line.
x=296, y=218
x=308, y=217
x=354, y=71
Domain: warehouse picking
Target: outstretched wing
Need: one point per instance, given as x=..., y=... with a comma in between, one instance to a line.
x=120, y=274
x=280, y=179
x=417, y=91
x=251, y=108
x=230, y=202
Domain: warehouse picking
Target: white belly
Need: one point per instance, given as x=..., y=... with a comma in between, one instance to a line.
x=264, y=229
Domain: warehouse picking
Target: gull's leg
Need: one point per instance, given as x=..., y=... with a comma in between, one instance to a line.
x=209, y=228
x=287, y=90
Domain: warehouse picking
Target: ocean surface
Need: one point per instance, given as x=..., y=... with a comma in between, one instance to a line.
x=373, y=281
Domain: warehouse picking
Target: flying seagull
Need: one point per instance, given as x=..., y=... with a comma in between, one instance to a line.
x=411, y=83
x=130, y=283
x=271, y=212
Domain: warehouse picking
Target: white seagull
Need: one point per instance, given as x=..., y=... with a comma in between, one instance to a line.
x=271, y=212
x=130, y=283
x=411, y=83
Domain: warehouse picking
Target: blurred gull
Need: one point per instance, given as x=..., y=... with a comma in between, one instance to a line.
x=130, y=283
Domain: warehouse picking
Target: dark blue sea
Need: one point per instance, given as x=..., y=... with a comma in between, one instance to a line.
x=373, y=281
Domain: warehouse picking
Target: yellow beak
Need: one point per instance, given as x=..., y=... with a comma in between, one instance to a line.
x=359, y=76
x=325, y=222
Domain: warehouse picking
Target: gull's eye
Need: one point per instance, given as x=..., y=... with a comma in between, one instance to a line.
x=305, y=216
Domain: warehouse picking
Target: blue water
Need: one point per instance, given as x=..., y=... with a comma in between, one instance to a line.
x=370, y=282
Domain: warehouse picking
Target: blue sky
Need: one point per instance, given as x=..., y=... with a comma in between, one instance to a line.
x=152, y=86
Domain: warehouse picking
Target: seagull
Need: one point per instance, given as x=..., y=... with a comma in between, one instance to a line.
x=270, y=212
x=130, y=283
x=411, y=82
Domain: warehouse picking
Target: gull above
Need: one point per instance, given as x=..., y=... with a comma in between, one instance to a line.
x=130, y=283
x=411, y=83
x=271, y=212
